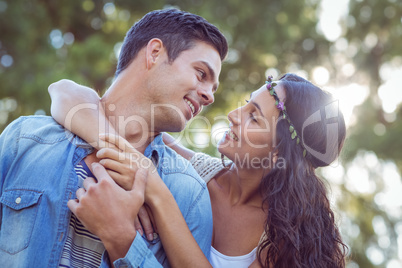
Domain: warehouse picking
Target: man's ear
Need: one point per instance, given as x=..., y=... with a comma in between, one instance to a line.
x=154, y=50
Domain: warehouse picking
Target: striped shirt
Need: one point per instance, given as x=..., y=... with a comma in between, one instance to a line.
x=82, y=249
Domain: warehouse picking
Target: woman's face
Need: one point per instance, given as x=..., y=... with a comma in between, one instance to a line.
x=251, y=137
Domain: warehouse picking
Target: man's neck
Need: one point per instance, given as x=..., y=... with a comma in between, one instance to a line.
x=140, y=142
x=127, y=108
x=134, y=128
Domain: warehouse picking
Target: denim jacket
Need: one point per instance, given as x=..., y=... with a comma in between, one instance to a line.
x=38, y=157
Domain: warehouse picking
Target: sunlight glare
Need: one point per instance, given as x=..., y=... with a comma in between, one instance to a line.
x=349, y=96
x=334, y=174
x=392, y=190
x=358, y=180
x=390, y=91
x=329, y=17
x=320, y=75
x=375, y=255
x=394, y=263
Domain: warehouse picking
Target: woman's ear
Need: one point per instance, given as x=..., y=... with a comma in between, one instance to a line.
x=274, y=157
x=270, y=162
x=154, y=51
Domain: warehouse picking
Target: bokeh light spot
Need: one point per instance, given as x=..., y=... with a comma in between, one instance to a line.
x=88, y=5
x=320, y=75
x=6, y=60
x=3, y=6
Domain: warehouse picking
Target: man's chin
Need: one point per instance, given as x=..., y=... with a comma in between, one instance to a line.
x=175, y=127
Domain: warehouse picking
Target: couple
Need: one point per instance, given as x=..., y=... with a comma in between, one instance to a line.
x=279, y=215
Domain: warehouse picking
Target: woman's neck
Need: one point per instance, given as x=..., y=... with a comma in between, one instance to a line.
x=242, y=185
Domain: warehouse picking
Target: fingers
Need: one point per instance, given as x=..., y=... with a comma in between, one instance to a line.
x=125, y=153
x=110, y=153
x=137, y=191
x=123, y=181
x=105, y=144
x=137, y=225
x=151, y=216
x=146, y=223
x=127, y=168
x=88, y=182
x=118, y=141
x=123, y=146
x=72, y=205
x=122, y=157
x=100, y=172
x=79, y=193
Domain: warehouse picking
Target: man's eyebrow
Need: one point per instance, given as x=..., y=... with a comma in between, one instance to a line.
x=255, y=104
x=212, y=75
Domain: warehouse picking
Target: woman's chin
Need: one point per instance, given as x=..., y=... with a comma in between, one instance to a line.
x=223, y=149
x=222, y=145
x=219, y=148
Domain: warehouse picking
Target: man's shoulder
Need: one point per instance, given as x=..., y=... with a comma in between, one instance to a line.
x=174, y=164
x=40, y=128
x=186, y=186
x=35, y=121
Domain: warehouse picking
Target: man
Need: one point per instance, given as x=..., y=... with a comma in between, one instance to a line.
x=169, y=59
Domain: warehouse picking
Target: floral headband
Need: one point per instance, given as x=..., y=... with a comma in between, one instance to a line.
x=282, y=109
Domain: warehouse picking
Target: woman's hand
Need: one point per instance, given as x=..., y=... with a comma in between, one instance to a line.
x=122, y=161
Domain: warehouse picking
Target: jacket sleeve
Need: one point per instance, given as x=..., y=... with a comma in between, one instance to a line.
x=139, y=255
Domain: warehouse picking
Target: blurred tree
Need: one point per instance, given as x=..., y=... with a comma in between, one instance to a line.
x=43, y=41
x=373, y=30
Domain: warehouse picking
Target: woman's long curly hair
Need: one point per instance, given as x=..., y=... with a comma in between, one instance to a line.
x=300, y=227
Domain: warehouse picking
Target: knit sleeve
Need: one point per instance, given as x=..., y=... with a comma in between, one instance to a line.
x=207, y=166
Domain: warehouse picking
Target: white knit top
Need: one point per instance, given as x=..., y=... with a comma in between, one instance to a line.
x=208, y=167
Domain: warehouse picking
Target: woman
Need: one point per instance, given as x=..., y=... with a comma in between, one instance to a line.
x=267, y=202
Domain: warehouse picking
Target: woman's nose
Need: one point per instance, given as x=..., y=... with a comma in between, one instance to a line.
x=234, y=117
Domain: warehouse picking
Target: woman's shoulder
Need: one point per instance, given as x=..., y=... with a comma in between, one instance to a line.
x=206, y=166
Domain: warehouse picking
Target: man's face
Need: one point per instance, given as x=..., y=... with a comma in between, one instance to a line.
x=180, y=89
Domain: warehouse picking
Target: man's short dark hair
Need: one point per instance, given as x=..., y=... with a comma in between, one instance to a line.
x=178, y=31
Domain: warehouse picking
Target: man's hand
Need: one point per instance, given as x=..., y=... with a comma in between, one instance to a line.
x=109, y=211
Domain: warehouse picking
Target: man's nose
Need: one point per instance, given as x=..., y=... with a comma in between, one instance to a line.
x=206, y=95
